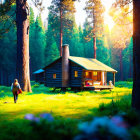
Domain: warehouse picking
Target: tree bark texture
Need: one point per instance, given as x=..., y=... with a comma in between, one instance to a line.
x=136, y=55
x=61, y=34
x=130, y=67
x=22, y=19
x=94, y=46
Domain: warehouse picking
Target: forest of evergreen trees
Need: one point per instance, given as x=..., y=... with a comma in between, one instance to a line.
x=44, y=43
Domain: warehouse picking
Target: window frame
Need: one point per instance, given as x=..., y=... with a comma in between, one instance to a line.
x=75, y=73
x=95, y=73
x=54, y=75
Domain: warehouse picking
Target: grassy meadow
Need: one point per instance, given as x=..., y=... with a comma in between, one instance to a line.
x=68, y=104
x=67, y=108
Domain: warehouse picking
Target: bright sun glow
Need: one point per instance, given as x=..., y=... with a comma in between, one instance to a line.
x=108, y=21
x=80, y=15
x=107, y=18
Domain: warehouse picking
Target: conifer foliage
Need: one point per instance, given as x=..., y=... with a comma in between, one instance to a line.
x=95, y=10
x=45, y=43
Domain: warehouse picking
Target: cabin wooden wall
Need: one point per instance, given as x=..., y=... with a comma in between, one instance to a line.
x=75, y=81
x=40, y=77
x=55, y=68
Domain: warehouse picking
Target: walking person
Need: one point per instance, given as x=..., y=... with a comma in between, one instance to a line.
x=15, y=87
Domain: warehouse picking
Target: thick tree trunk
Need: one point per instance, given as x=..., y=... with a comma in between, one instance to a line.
x=94, y=46
x=136, y=55
x=121, y=66
x=94, y=37
x=22, y=18
x=61, y=35
x=130, y=67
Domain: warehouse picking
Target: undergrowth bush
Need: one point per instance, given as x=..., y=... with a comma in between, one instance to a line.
x=130, y=79
x=126, y=84
x=5, y=91
x=116, y=106
x=63, y=129
x=59, y=129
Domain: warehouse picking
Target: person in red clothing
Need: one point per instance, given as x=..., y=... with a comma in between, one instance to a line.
x=15, y=88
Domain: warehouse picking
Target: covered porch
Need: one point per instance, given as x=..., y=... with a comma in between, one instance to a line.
x=97, y=79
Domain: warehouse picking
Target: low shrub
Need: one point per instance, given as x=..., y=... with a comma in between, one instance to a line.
x=116, y=106
x=124, y=84
x=5, y=91
x=59, y=129
x=130, y=79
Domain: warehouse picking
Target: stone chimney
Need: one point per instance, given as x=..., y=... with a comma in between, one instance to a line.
x=65, y=66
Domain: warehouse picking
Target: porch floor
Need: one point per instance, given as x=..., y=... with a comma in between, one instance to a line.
x=100, y=87
x=103, y=87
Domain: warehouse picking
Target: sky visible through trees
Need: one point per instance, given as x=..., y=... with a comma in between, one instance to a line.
x=80, y=14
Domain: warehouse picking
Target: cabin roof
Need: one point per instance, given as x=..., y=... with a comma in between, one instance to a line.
x=91, y=64
x=87, y=63
x=38, y=71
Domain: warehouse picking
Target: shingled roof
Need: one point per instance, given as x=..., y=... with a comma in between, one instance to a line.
x=87, y=63
x=91, y=64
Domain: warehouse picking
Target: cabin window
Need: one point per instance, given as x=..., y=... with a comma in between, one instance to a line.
x=75, y=73
x=94, y=73
x=86, y=74
x=54, y=76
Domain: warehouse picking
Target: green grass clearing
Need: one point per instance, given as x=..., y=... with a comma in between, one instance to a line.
x=68, y=105
x=68, y=109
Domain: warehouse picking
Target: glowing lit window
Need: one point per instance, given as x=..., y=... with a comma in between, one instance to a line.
x=86, y=74
x=94, y=73
x=75, y=73
x=54, y=76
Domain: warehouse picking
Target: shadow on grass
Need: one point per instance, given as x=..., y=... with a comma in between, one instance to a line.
x=116, y=106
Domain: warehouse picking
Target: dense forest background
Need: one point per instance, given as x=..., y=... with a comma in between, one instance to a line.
x=114, y=47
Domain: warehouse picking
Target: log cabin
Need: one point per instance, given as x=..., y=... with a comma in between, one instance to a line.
x=39, y=76
x=77, y=72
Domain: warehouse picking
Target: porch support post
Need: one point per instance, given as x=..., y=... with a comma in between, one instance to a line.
x=103, y=78
x=114, y=78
